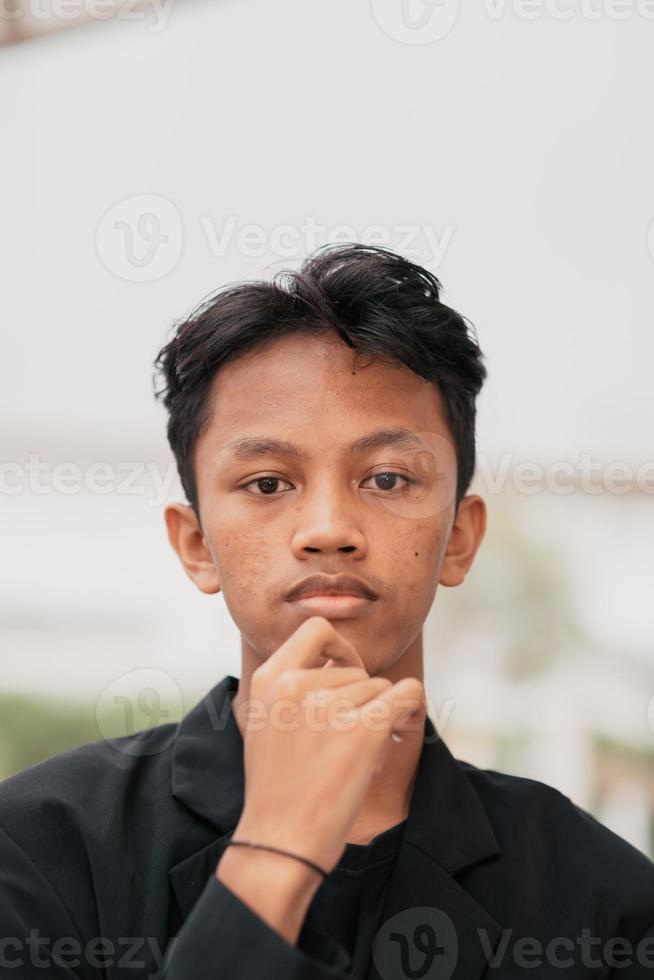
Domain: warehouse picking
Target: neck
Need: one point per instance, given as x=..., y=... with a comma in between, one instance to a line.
x=388, y=798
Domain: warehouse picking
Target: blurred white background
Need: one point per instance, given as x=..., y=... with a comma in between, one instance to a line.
x=150, y=158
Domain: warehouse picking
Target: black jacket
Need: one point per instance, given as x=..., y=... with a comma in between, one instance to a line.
x=108, y=852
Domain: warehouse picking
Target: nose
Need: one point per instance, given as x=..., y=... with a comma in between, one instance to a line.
x=327, y=522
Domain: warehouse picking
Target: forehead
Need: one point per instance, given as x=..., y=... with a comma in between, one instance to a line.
x=317, y=387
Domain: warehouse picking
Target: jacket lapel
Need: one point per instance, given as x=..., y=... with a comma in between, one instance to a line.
x=430, y=925
x=189, y=877
x=208, y=779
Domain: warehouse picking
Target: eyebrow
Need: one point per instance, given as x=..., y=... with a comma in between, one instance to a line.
x=247, y=448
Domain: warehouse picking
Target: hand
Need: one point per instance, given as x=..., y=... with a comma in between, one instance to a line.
x=313, y=741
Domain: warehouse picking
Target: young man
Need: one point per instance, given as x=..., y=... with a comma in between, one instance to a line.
x=306, y=821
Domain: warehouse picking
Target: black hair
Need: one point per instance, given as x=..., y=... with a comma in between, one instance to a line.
x=373, y=299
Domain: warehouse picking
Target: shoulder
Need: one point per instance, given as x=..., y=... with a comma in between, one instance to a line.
x=545, y=834
x=78, y=794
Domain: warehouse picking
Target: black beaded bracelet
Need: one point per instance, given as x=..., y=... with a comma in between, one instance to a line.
x=277, y=850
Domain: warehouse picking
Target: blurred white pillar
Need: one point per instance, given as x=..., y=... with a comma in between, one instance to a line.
x=626, y=811
x=560, y=750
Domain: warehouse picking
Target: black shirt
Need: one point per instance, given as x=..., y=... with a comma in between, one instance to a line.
x=349, y=903
x=108, y=854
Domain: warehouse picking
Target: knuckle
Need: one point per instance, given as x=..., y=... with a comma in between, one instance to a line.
x=258, y=680
x=288, y=685
x=319, y=697
x=419, y=692
x=412, y=687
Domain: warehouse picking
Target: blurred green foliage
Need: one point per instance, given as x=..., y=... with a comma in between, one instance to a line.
x=33, y=729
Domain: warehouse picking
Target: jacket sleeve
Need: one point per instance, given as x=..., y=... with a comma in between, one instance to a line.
x=224, y=939
x=37, y=936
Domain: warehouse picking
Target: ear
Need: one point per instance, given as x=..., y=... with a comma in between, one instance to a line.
x=465, y=537
x=186, y=537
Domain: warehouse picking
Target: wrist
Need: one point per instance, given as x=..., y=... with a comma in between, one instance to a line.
x=284, y=852
x=283, y=873
x=277, y=888
x=300, y=852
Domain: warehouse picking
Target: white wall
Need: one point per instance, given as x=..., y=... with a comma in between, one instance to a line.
x=524, y=148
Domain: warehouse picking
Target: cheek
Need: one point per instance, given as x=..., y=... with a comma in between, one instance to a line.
x=244, y=562
x=421, y=559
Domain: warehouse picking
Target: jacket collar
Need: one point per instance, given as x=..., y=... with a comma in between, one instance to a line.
x=447, y=828
x=207, y=761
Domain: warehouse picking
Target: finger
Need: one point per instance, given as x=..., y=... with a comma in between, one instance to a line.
x=349, y=697
x=312, y=643
x=406, y=697
x=314, y=680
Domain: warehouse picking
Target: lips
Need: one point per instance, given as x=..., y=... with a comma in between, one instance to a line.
x=331, y=585
x=339, y=606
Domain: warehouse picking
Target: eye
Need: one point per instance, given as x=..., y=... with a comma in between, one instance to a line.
x=392, y=476
x=268, y=485
x=266, y=481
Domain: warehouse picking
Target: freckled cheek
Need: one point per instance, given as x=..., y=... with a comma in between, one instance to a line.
x=245, y=563
x=419, y=561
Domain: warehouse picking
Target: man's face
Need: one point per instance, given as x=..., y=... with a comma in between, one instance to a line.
x=383, y=513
